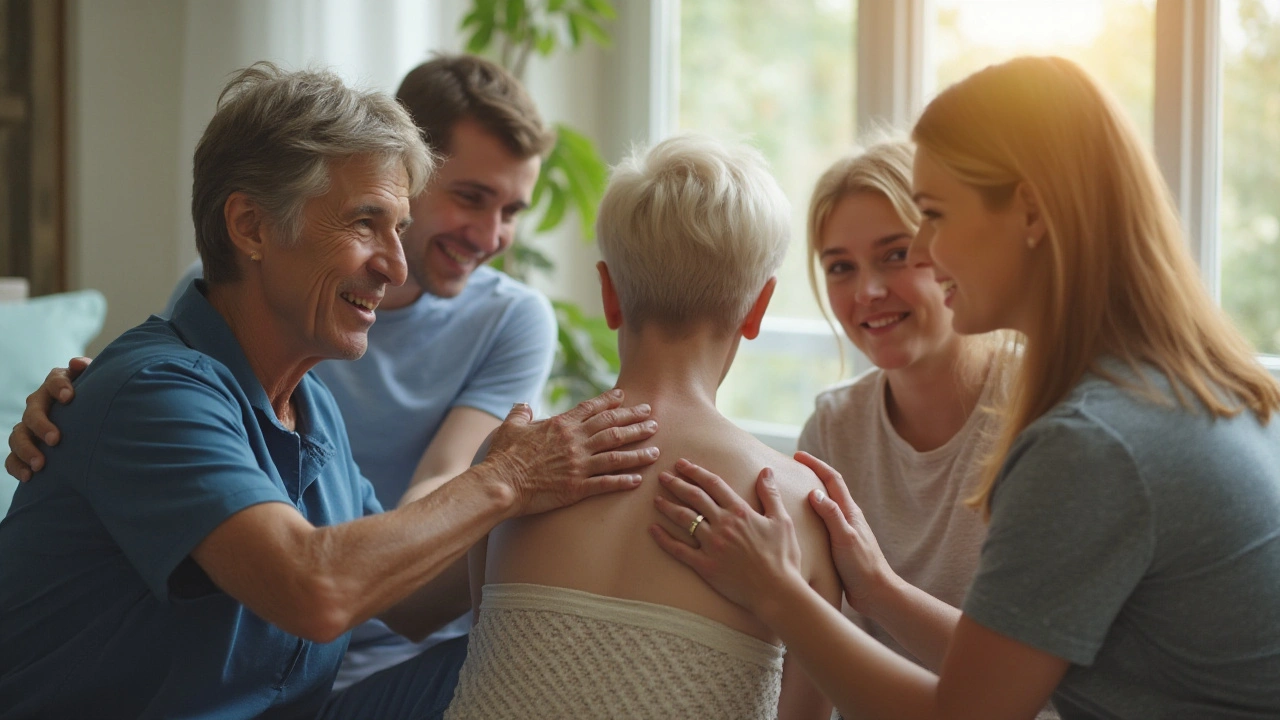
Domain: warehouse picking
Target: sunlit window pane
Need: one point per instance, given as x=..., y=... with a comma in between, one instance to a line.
x=1113, y=39
x=779, y=73
x=1250, y=209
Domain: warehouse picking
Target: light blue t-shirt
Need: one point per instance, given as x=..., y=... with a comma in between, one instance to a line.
x=1141, y=543
x=488, y=347
x=102, y=611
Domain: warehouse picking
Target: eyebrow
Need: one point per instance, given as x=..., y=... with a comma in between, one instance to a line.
x=878, y=243
x=480, y=187
x=379, y=211
x=922, y=196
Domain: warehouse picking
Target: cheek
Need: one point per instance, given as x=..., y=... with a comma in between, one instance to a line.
x=840, y=296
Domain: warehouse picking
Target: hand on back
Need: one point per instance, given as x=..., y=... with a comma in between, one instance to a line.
x=558, y=461
x=25, y=458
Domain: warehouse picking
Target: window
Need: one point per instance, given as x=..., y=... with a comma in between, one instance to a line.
x=1249, y=213
x=1201, y=81
x=1112, y=39
x=779, y=74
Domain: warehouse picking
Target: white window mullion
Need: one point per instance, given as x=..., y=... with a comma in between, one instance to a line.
x=891, y=62
x=1187, y=114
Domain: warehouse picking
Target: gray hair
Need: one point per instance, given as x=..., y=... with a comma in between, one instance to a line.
x=691, y=231
x=273, y=138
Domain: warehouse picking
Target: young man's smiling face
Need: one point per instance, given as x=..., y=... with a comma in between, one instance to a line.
x=467, y=214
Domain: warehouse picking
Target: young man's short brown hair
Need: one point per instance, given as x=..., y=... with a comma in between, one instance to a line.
x=450, y=88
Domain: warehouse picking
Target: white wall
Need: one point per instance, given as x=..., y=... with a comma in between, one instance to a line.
x=124, y=69
x=143, y=77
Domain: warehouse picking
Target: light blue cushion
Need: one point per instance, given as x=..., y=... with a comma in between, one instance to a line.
x=36, y=336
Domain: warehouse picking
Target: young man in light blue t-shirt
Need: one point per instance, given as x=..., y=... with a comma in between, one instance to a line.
x=459, y=342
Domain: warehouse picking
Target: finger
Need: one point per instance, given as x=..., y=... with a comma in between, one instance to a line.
x=714, y=486
x=57, y=385
x=616, y=437
x=587, y=408
x=680, y=516
x=77, y=365
x=520, y=414
x=16, y=468
x=616, y=417
x=837, y=489
x=832, y=516
x=25, y=450
x=686, y=554
x=607, y=484
x=770, y=496
x=612, y=462
x=689, y=494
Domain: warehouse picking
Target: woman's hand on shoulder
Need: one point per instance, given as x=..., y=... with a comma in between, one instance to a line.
x=745, y=555
x=854, y=549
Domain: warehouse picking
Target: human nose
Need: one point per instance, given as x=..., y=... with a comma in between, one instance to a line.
x=870, y=287
x=918, y=252
x=488, y=232
x=388, y=262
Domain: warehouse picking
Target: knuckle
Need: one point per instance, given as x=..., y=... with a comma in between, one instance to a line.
x=615, y=435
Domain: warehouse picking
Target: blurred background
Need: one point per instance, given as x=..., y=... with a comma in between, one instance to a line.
x=103, y=100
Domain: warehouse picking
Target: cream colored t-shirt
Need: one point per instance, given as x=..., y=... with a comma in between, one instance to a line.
x=913, y=501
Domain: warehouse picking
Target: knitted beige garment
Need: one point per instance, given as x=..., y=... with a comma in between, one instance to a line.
x=547, y=652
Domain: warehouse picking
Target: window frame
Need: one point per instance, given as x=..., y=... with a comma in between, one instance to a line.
x=893, y=58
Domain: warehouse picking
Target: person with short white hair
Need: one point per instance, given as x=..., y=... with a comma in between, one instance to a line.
x=581, y=615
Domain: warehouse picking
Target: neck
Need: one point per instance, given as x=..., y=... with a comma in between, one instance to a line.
x=667, y=371
x=931, y=400
x=274, y=359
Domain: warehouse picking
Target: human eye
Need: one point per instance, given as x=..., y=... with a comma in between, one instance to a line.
x=470, y=199
x=896, y=255
x=930, y=215
x=839, y=267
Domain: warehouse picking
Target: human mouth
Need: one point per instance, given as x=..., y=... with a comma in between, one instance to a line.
x=369, y=304
x=463, y=260
x=883, y=321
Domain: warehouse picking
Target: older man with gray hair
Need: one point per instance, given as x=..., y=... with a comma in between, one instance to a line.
x=201, y=543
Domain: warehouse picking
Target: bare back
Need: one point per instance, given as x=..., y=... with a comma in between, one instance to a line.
x=602, y=546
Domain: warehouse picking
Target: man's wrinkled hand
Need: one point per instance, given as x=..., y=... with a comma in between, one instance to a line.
x=558, y=461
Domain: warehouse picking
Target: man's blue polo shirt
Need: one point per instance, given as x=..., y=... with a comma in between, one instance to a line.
x=103, y=614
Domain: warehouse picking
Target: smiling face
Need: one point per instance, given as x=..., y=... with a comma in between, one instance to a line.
x=467, y=214
x=989, y=254
x=892, y=309
x=324, y=288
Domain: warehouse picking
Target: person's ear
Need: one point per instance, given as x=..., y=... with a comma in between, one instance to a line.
x=609, y=297
x=751, y=325
x=246, y=225
x=1034, y=228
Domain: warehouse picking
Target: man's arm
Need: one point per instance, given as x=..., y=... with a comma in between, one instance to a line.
x=320, y=582
x=450, y=451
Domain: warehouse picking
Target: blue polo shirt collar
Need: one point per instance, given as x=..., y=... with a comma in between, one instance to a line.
x=203, y=328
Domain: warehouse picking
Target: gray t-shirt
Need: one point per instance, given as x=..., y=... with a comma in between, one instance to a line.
x=1141, y=543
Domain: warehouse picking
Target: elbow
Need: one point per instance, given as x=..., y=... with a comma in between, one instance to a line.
x=320, y=614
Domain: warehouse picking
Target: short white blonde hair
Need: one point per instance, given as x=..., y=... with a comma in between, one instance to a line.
x=691, y=230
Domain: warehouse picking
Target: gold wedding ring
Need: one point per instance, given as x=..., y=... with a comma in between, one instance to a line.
x=694, y=526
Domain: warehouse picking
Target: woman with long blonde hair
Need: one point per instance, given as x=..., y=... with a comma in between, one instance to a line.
x=1132, y=563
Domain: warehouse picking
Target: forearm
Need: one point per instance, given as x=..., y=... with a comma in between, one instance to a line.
x=920, y=622
x=424, y=486
x=862, y=677
x=376, y=562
